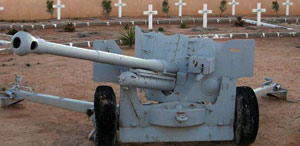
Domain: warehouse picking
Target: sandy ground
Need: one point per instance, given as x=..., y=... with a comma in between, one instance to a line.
x=31, y=124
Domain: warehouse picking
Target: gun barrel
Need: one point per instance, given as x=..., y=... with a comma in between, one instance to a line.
x=23, y=43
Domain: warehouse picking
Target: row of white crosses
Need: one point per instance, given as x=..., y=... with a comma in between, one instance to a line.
x=258, y=10
x=180, y=4
x=58, y=6
x=150, y=14
x=287, y=4
x=1, y=8
x=120, y=5
x=205, y=11
x=233, y=3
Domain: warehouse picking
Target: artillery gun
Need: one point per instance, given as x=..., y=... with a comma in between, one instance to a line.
x=191, y=84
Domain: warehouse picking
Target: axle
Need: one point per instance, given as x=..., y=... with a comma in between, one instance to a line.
x=16, y=95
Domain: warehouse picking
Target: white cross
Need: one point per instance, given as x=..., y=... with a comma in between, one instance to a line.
x=259, y=10
x=233, y=3
x=120, y=5
x=150, y=14
x=1, y=8
x=58, y=6
x=205, y=12
x=287, y=4
x=180, y=4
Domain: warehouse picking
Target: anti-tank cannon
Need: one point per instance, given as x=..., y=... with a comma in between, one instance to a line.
x=191, y=81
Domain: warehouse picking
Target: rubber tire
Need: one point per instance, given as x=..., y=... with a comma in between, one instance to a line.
x=246, y=116
x=106, y=116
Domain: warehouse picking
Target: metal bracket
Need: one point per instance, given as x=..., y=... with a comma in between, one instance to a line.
x=9, y=98
x=16, y=95
x=7, y=101
x=92, y=135
x=271, y=89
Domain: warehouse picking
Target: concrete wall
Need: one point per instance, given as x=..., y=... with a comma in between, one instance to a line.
x=36, y=9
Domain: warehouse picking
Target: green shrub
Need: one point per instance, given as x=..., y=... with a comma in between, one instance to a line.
x=28, y=65
x=223, y=7
x=183, y=26
x=69, y=28
x=126, y=27
x=49, y=5
x=26, y=30
x=128, y=37
x=106, y=5
x=160, y=29
x=3, y=89
x=165, y=7
x=12, y=31
x=239, y=21
x=275, y=6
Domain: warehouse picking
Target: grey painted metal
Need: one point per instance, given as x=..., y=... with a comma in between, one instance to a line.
x=270, y=88
x=5, y=47
x=171, y=120
x=61, y=102
x=24, y=43
x=193, y=79
x=6, y=101
x=201, y=106
x=15, y=95
x=148, y=80
x=205, y=86
x=183, y=51
x=106, y=72
x=4, y=42
x=193, y=82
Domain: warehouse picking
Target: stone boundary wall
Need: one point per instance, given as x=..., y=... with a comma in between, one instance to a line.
x=36, y=9
x=37, y=26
